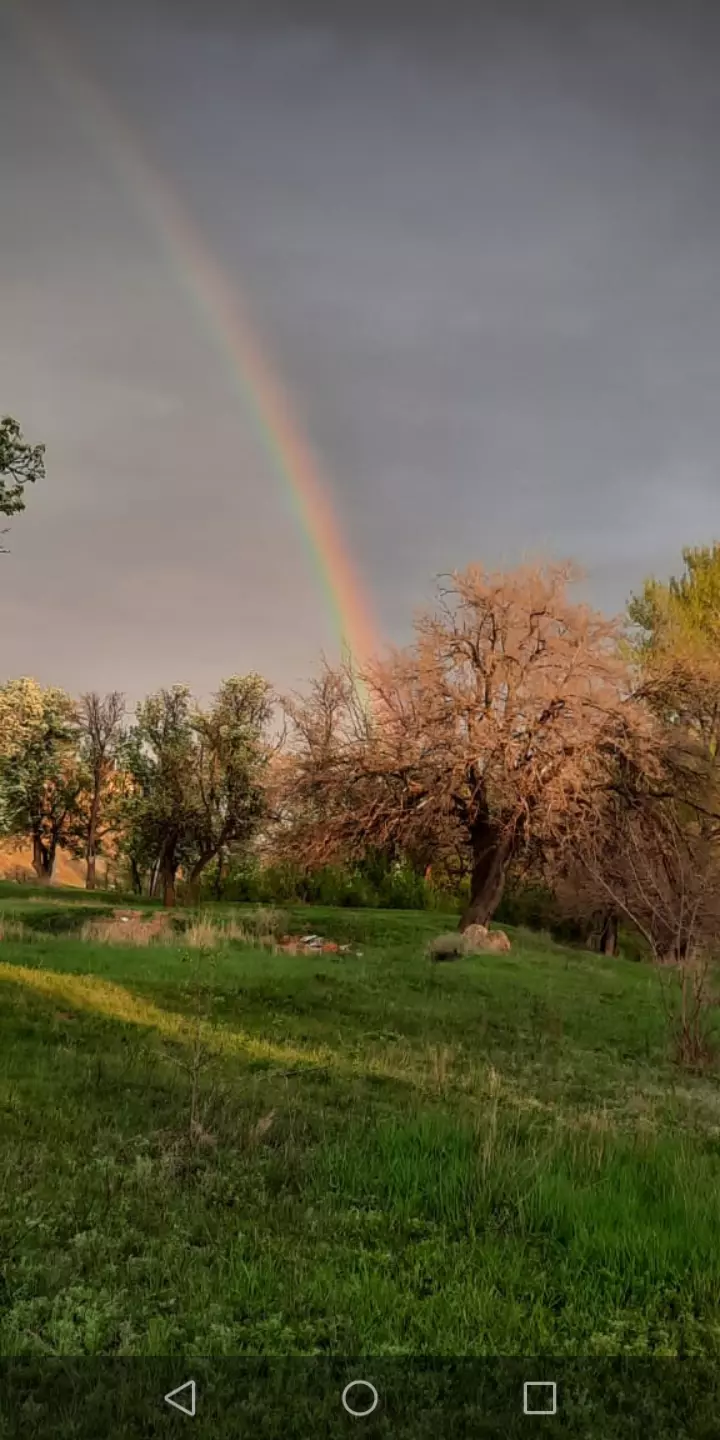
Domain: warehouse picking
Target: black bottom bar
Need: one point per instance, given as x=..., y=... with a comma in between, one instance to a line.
x=279, y=1399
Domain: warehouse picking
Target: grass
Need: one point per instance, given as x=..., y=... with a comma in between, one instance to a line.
x=227, y=1151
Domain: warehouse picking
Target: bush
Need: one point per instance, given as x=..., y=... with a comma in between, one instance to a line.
x=375, y=884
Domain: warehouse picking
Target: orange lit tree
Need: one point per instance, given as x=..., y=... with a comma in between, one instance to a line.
x=474, y=739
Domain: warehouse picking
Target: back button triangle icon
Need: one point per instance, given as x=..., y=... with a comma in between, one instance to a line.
x=183, y=1398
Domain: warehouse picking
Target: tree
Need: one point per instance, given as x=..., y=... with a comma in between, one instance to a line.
x=655, y=861
x=677, y=645
x=687, y=608
x=650, y=828
x=98, y=816
x=40, y=769
x=158, y=754
x=21, y=464
x=473, y=739
x=197, y=778
x=232, y=756
x=649, y=843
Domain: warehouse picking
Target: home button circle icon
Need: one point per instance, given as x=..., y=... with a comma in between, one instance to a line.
x=360, y=1398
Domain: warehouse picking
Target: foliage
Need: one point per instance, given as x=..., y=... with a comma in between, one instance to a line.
x=470, y=743
x=40, y=774
x=21, y=464
x=157, y=753
x=231, y=758
x=197, y=777
x=99, y=812
x=389, y=887
x=687, y=606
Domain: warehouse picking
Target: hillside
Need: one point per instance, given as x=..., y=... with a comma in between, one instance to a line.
x=16, y=864
x=354, y=1154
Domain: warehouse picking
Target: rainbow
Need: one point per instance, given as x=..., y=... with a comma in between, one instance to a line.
x=217, y=305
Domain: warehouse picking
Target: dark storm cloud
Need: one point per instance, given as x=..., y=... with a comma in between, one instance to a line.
x=484, y=244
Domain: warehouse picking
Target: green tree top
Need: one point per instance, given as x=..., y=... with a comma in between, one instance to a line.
x=21, y=464
x=686, y=609
x=677, y=645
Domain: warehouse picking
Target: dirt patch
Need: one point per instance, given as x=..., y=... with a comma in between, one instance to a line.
x=128, y=927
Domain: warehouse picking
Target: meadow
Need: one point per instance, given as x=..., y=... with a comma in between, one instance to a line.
x=214, y=1148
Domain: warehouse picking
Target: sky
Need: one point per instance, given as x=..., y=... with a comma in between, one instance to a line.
x=480, y=243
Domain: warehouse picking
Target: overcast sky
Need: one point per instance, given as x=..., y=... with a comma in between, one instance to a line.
x=483, y=246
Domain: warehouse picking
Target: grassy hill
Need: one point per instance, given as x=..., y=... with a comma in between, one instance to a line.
x=228, y=1151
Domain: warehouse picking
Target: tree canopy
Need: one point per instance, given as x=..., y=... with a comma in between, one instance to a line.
x=21, y=464
x=197, y=777
x=473, y=738
x=40, y=771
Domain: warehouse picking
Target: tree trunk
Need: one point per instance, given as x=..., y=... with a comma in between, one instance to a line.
x=219, y=876
x=44, y=859
x=609, y=933
x=197, y=870
x=168, y=879
x=37, y=860
x=136, y=876
x=154, y=877
x=91, y=873
x=492, y=852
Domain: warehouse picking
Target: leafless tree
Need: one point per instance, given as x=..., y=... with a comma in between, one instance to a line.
x=648, y=838
x=473, y=739
x=101, y=720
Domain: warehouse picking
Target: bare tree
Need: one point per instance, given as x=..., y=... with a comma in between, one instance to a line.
x=648, y=838
x=658, y=865
x=472, y=739
x=101, y=720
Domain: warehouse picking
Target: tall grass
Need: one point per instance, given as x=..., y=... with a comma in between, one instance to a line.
x=204, y=931
x=10, y=928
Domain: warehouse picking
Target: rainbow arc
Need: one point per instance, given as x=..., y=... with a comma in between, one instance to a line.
x=218, y=305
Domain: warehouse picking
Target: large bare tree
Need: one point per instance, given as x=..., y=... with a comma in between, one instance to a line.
x=473, y=739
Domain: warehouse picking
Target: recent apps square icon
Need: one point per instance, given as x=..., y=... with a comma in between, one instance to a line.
x=540, y=1397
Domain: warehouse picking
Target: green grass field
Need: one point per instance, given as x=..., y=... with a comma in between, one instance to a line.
x=247, y=1153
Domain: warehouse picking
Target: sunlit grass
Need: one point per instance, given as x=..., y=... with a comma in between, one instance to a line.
x=225, y=1150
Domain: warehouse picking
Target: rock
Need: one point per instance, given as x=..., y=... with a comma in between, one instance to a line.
x=499, y=942
x=475, y=936
x=479, y=940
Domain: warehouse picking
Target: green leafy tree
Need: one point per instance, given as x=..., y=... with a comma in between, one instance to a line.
x=21, y=464
x=677, y=646
x=41, y=774
x=196, y=779
x=685, y=609
x=231, y=760
x=158, y=754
